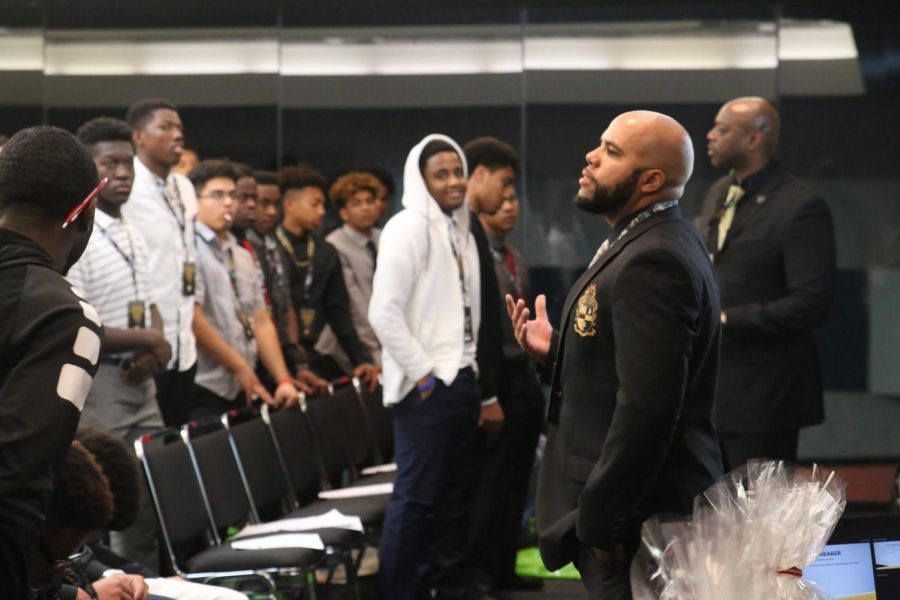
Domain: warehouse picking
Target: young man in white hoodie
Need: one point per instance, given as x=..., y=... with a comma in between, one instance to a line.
x=425, y=311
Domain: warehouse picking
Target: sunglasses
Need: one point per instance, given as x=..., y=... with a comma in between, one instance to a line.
x=75, y=212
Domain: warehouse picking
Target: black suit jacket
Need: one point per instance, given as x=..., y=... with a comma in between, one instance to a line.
x=489, y=352
x=633, y=385
x=776, y=273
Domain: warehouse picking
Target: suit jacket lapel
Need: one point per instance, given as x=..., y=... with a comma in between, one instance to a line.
x=587, y=277
x=617, y=247
x=754, y=204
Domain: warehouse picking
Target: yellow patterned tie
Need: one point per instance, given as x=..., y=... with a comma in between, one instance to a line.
x=735, y=193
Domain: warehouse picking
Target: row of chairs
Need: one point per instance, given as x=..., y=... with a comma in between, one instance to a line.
x=210, y=478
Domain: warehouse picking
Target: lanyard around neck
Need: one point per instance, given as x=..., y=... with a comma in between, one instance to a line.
x=129, y=258
x=307, y=264
x=643, y=216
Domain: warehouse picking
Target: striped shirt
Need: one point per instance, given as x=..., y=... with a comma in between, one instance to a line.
x=113, y=270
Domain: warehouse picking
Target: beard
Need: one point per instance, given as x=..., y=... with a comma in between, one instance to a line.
x=605, y=201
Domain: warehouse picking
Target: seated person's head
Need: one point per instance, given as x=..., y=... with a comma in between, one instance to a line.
x=80, y=510
x=303, y=192
x=120, y=468
x=355, y=196
x=45, y=177
x=216, y=184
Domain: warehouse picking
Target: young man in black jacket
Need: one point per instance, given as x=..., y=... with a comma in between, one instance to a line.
x=49, y=336
x=318, y=291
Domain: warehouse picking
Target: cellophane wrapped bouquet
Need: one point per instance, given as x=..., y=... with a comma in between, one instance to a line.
x=751, y=535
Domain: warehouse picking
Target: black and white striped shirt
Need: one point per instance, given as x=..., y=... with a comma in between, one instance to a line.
x=113, y=270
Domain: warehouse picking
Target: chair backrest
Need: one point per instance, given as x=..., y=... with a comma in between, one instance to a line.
x=360, y=438
x=261, y=462
x=330, y=437
x=290, y=430
x=177, y=497
x=381, y=420
x=219, y=474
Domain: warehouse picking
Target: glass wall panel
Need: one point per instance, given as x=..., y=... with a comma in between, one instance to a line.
x=339, y=86
x=21, y=68
x=584, y=66
x=220, y=68
x=361, y=90
x=843, y=142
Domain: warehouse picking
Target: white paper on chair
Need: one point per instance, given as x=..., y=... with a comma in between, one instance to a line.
x=333, y=519
x=360, y=491
x=388, y=468
x=311, y=541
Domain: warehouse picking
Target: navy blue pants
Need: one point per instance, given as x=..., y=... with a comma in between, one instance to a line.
x=434, y=444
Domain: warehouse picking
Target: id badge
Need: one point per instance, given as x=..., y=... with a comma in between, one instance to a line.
x=307, y=320
x=137, y=315
x=188, y=279
x=245, y=323
x=469, y=333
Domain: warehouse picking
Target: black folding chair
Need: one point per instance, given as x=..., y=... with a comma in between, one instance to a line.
x=358, y=434
x=229, y=483
x=193, y=546
x=292, y=433
x=380, y=419
x=266, y=478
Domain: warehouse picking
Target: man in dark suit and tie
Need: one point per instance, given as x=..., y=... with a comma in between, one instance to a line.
x=771, y=239
x=634, y=363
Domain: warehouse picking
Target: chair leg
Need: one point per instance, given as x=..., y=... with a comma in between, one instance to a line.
x=350, y=568
x=311, y=583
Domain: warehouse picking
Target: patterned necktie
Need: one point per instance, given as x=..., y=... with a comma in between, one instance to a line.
x=735, y=193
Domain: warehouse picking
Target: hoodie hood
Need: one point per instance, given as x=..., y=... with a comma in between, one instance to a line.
x=17, y=250
x=415, y=194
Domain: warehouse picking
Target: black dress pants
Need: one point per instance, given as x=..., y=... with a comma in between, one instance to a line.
x=174, y=390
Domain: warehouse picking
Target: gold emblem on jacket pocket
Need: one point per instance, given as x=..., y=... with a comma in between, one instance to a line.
x=586, y=312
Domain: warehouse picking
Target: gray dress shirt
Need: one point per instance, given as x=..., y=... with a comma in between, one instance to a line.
x=221, y=302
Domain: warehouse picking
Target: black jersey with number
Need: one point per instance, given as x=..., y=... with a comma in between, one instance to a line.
x=50, y=341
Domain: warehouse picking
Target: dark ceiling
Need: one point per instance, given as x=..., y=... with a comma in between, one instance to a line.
x=102, y=14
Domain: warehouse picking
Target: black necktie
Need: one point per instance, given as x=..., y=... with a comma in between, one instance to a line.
x=370, y=246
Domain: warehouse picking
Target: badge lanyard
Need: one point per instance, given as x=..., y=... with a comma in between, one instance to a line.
x=187, y=267
x=242, y=315
x=179, y=214
x=129, y=257
x=300, y=264
x=136, y=307
x=469, y=334
x=643, y=216
x=307, y=313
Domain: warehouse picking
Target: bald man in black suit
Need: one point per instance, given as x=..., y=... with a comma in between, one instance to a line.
x=634, y=363
x=772, y=242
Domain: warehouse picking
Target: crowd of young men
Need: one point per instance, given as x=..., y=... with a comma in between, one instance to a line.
x=189, y=295
x=219, y=288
